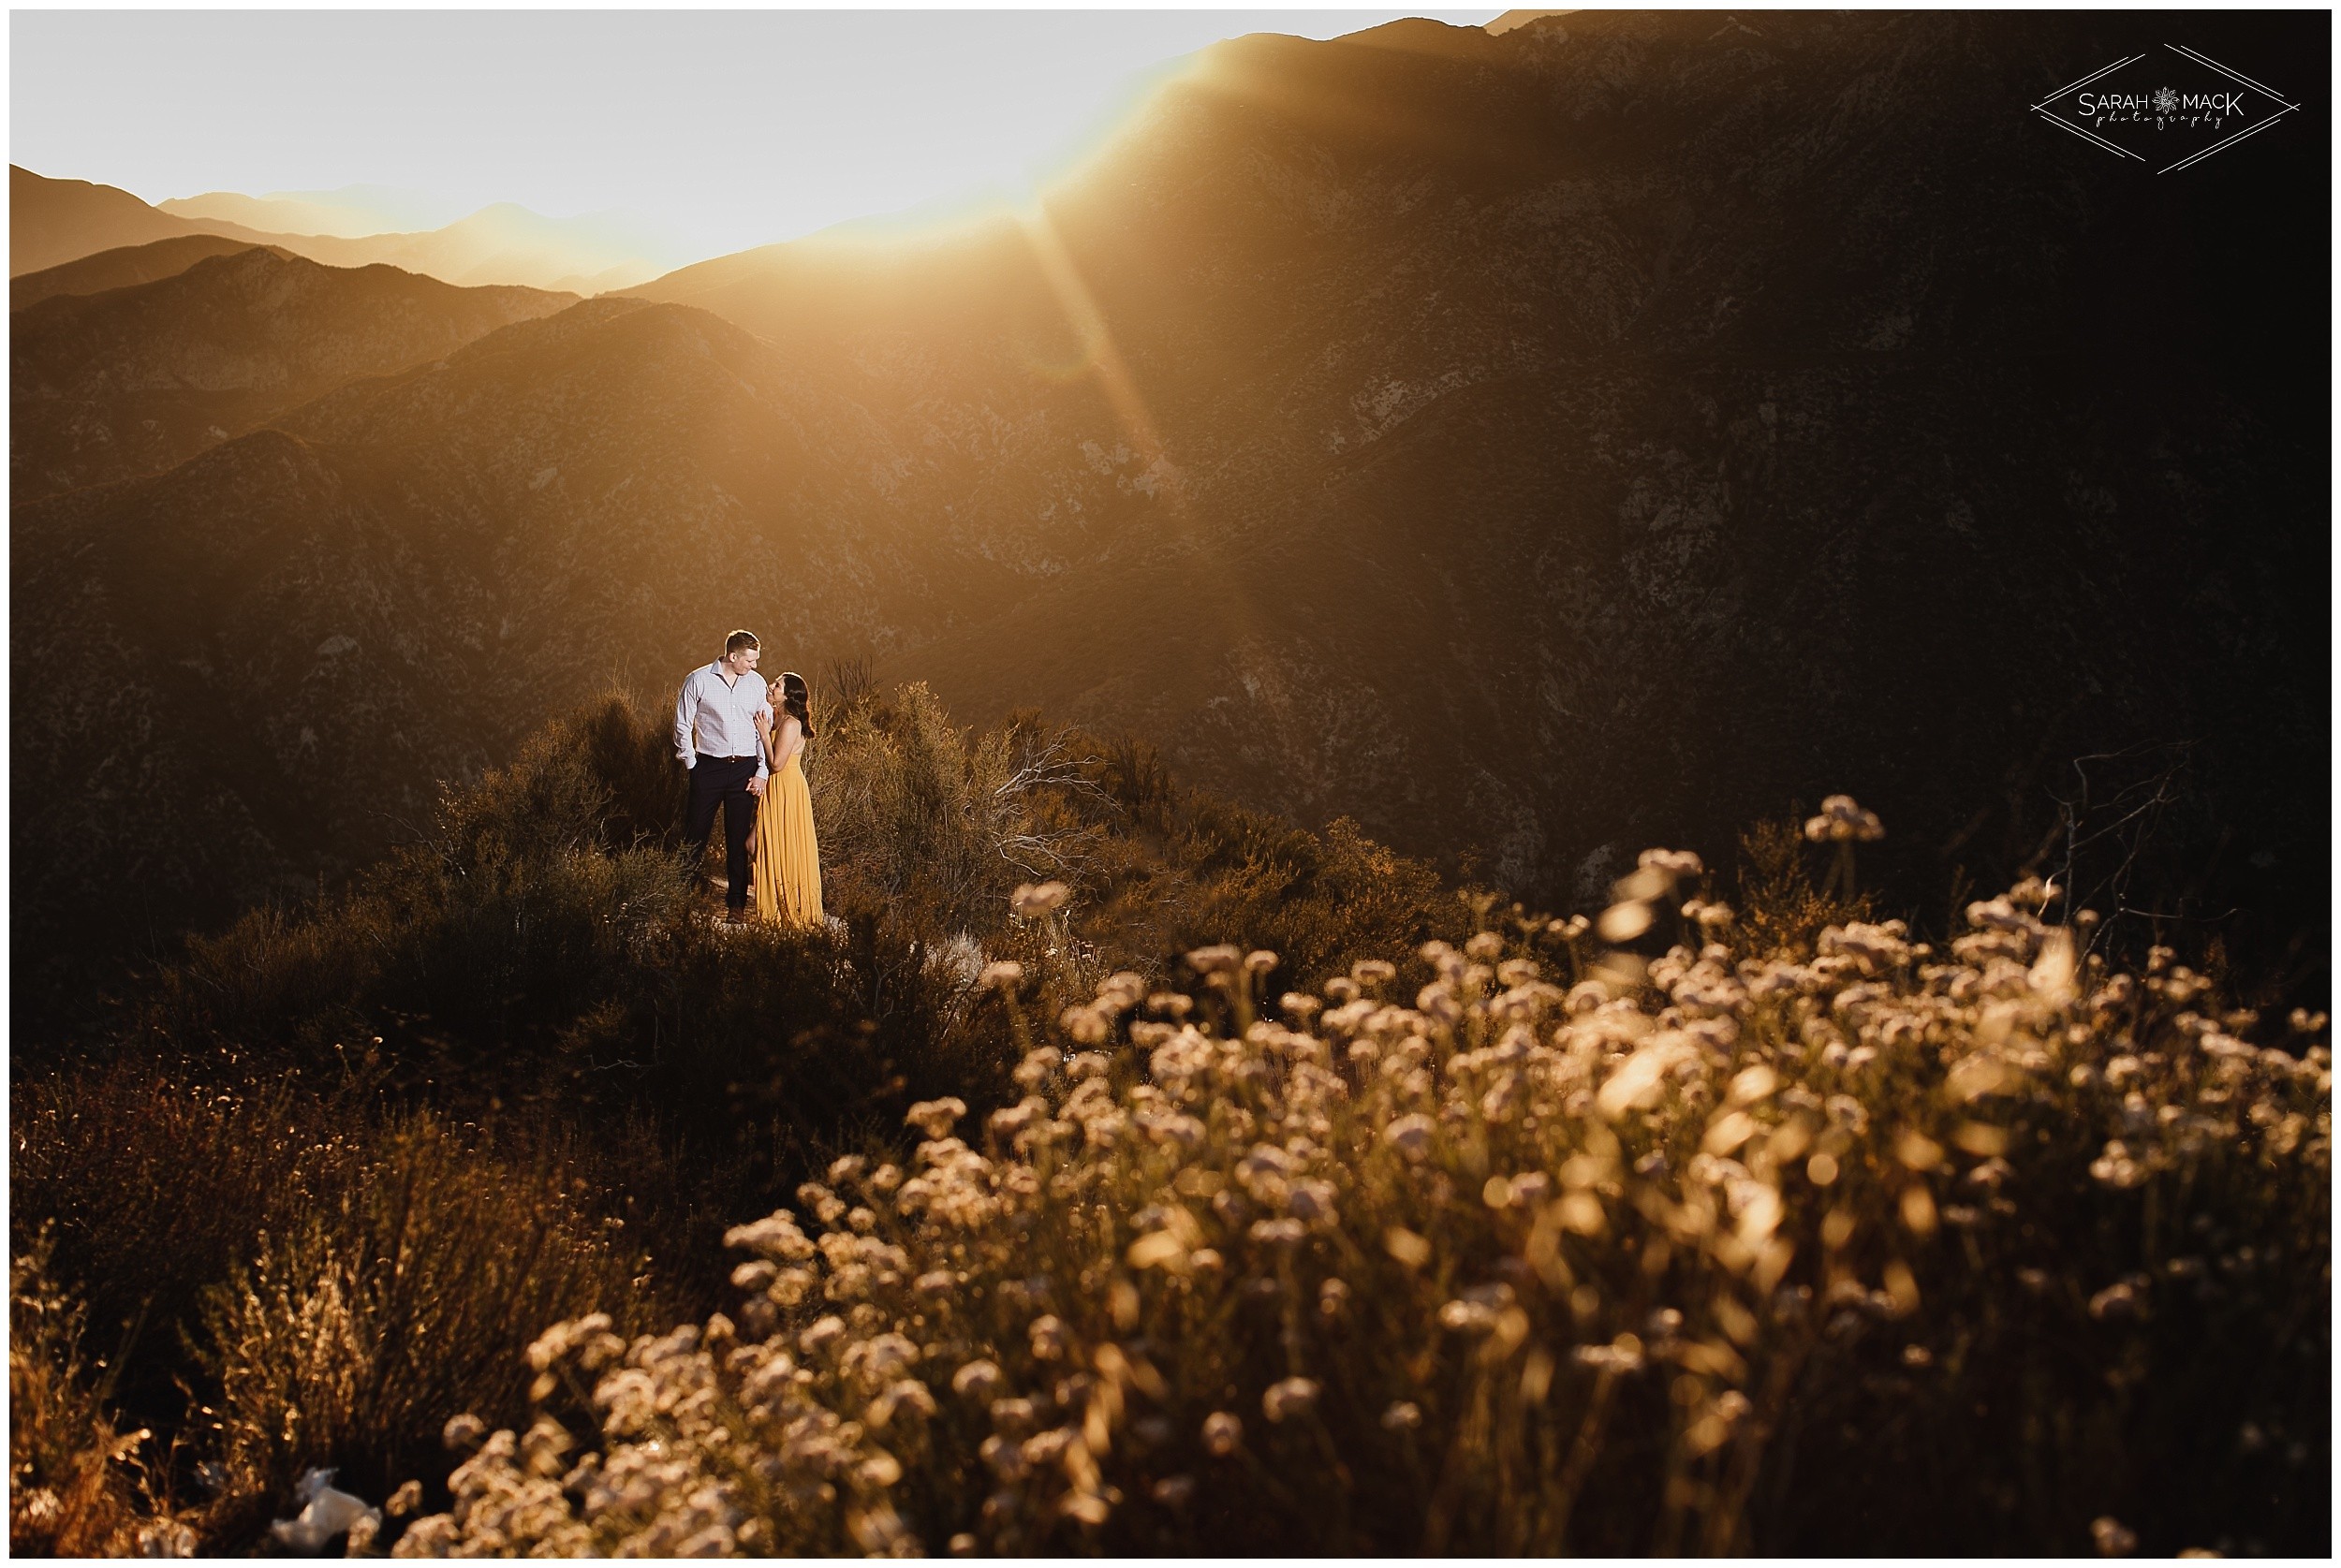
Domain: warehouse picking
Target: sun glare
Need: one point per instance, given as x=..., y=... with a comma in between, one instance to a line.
x=1016, y=178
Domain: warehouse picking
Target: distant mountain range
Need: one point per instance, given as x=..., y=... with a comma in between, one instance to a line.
x=1534, y=446
x=137, y=379
x=53, y=222
x=353, y=211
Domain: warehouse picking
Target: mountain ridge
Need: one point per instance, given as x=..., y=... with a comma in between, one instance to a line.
x=55, y=222
x=136, y=379
x=1701, y=457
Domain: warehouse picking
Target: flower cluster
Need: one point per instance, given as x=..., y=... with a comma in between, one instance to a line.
x=1343, y=1245
x=1841, y=819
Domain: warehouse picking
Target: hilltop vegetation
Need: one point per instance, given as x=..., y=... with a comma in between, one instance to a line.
x=1240, y=1188
x=517, y=1050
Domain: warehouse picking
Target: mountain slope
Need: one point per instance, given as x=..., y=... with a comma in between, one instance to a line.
x=1535, y=445
x=134, y=380
x=121, y=267
x=1653, y=385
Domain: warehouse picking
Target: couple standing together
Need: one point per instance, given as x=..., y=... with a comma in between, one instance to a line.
x=744, y=741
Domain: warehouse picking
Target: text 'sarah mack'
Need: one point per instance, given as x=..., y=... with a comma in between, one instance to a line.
x=2163, y=102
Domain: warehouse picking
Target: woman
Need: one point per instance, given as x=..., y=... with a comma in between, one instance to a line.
x=787, y=860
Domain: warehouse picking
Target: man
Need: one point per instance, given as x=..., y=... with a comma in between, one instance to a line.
x=714, y=735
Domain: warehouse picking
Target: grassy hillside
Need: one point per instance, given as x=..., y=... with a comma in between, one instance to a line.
x=1229, y=1188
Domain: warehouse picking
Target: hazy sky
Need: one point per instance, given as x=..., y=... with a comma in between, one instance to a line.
x=724, y=129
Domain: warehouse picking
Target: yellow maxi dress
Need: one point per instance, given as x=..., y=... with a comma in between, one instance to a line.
x=787, y=876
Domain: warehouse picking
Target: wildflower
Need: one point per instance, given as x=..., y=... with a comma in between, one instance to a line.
x=1636, y=1083
x=1403, y=1415
x=1221, y=959
x=1406, y=1247
x=2112, y=1538
x=1001, y=975
x=1623, y=922
x=463, y=1432
x=1174, y=1491
x=1841, y=821
x=1708, y=916
x=1223, y=1434
x=1087, y=1507
x=1621, y=1355
x=1917, y=1151
x=824, y=1333
x=2115, y=1168
x=1260, y=961
x=1278, y=1233
x=774, y=1237
x=905, y=1394
x=2115, y=1300
x=1049, y=1337
x=1410, y=1135
x=977, y=1380
x=1311, y=1200
x=1087, y=1025
x=1333, y=1298
x=1678, y=864
x=1032, y=902
x=1292, y=1396
x=1472, y=1318
x=935, y=1117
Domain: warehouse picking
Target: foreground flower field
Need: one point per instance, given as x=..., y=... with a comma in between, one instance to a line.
x=1821, y=1234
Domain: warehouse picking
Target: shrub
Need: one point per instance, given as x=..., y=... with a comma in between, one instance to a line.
x=393, y=1294
x=933, y=825
x=1859, y=1246
x=325, y=1275
x=75, y=1485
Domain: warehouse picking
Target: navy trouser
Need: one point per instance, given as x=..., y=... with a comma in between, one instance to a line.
x=723, y=780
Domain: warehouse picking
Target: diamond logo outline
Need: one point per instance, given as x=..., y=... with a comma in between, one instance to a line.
x=2046, y=110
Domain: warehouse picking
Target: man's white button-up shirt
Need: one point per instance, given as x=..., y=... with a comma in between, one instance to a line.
x=716, y=715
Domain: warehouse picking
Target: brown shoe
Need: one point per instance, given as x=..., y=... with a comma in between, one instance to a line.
x=736, y=917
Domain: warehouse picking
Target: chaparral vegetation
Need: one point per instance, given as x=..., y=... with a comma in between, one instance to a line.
x=1126, y=1172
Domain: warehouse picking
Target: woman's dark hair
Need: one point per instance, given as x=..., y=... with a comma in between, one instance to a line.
x=796, y=699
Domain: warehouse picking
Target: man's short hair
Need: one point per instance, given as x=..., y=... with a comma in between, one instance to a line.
x=738, y=640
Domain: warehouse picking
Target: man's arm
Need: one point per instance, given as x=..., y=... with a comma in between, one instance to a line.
x=686, y=712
